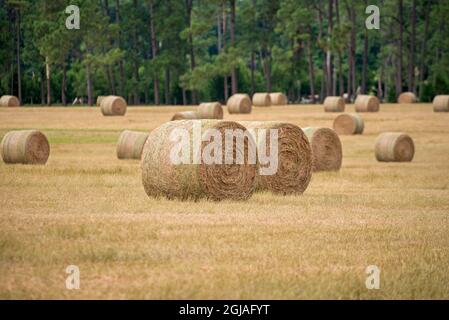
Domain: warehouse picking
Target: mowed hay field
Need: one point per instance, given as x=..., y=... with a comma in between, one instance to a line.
x=87, y=208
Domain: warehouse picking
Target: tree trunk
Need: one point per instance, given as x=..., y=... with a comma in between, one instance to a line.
x=48, y=77
x=225, y=23
x=154, y=52
x=232, y=27
x=64, y=85
x=399, y=54
x=253, y=67
x=42, y=78
x=90, y=89
x=311, y=69
x=329, y=69
x=189, y=6
x=422, y=69
x=411, y=57
x=341, y=81
x=121, y=66
x=19, y=73
x=167, y=87
x=365, y=58
x=184, y=97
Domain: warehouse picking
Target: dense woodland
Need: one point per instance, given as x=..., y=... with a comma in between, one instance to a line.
x=187, y=51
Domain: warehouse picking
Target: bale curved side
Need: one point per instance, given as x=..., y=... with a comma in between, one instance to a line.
x=26, y=147
x=191, y=181
x=261, y=100
x=185, y=115
x=348, y=124
x=294, y=167
x=278, y=99
x=239, y=103
x=211, y=110
x=100, y=99
x=334, y=104
x=394, y=147
x=326, y=149
x=130, y=144
x=9, y=101
x=365, y=103
x=113, y=106
x=441, y=103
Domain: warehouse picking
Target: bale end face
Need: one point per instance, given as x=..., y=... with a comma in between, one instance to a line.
x=327, y=150
x=441, y=103
x=394, y=147
x=25, y=147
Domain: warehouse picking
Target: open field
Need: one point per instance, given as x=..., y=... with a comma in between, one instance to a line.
x=89, y=209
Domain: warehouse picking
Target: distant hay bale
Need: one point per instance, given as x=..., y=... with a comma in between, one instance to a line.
x=294, y=157
x=261, y=100
x=348, y=124
x=326, y=149
x=130, y=144
x=211, y=110
x=99, y=99
x=113, y=106
x=239, y=103
x=394, y=147
x=185, y=115
x=26, y=147
x=278, y=99
x=9, y=101
x=365, y=103
x=407, y=97
x=334, y=104
x=441, y=103
x=193, y=181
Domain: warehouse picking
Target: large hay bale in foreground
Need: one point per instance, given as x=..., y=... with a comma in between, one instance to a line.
x=9, y=101
x=185, y=115
x=365, y=103
x=194, y=179
x=348, y=124
x=261, y=100
x=294, y=156
x=278, y=99
x=334, y=104
x=441, y=103
x=407, y=97
x=130, y=144
x=113, y=106
x=100, y=99
x=326, y=149
x=239, y=103
x=394, y=147
x=211, y=110
x=26, y=147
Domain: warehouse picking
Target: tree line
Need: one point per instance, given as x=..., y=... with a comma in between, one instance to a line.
x=187, y=51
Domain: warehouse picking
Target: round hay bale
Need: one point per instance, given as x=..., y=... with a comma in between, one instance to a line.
x=407, y=97
x=9, y=101
x=278, y=99
x=113, y=106
x=195, y=179
x=130, y=144
x=239, y=103
x=394, y=147
x=185, y=115
x=365, y=103
x=99, y=99
x=326, y=149
x=261, y=100
x=212, y=110
x=294, y=169
x=26, y=147
x=348, y=124
x=441, y=103
x=334, y=104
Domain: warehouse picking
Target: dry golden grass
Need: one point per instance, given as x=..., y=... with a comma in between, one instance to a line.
x=89, y=209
